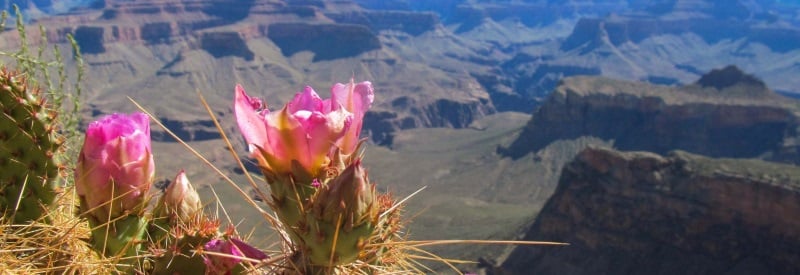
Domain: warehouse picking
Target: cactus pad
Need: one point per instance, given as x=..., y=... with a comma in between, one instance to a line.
x=29, y=142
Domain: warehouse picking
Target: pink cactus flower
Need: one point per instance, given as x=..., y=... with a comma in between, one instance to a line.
x=234, y=250
x=115, y=161
x=306, y=130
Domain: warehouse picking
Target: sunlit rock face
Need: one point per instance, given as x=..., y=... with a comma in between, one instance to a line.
x=642, y=213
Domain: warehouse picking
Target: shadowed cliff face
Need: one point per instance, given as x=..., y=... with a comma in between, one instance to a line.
x=229, y=12
x=221, y=44
x=199, y=130
x=90, y=39
x=446, y=113
x=743, y=119
x=640, y=213
x=326, y=41
x=731, y=76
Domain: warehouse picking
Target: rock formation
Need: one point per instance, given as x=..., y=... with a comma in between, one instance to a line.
x=176, y=45
x=516, y=51
x=726, y=114
x=664, y=42
x=90, y=39
x=199, y=130
x=447, y=113
x=641, y=213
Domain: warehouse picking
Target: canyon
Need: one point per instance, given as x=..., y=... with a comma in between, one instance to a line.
x=491, y=106
x=478, y=56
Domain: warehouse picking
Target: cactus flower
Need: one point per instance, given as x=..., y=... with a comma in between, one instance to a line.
x=219, y=264
x=116, y=164
x=180, y=200
x=306, y=130
x=306, y=151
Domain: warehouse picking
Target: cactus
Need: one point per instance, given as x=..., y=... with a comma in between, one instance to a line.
x=310, y=155
x=179, y=247
x=179, y=229
x=342, y=217
x=29, y=144
x=114, y=172
x=175, y=253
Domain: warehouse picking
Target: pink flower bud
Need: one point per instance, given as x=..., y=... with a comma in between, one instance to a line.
x=180, y=200
x=115, y=163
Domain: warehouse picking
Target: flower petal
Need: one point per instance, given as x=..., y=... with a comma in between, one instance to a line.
x=323, y=131
x=288, y=141
x=247, y=250
x=216, y=264
x=245, y=109
x=307, y=100
x=111, y=127
x=357, y=99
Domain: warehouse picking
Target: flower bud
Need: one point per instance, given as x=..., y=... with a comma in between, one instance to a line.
x=180, y=200
x=344, y=214
x=115, y=166
x=349, y=195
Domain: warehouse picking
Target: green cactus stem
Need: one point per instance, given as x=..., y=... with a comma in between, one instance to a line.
x=330, y=220
x=179, y=256
x=121, y=237
x=29, y=142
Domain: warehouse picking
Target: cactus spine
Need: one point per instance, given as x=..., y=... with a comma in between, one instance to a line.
x=29, y=144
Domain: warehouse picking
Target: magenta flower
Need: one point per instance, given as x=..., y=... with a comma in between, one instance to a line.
x=306, y=130
x=115, y=163
x=233, y=249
